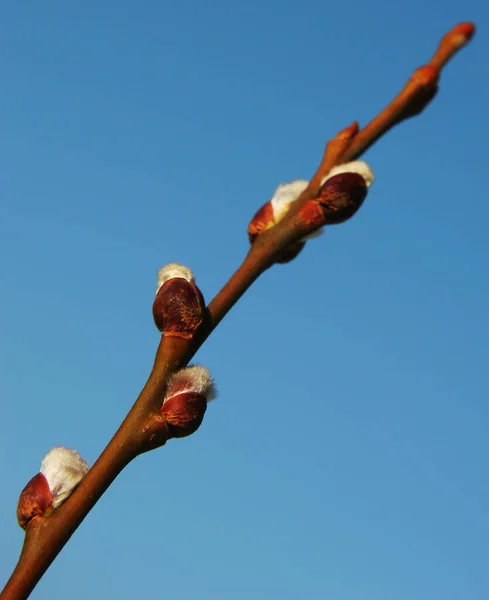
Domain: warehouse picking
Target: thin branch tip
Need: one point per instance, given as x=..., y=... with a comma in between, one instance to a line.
x=458, y=37
x=462, y=33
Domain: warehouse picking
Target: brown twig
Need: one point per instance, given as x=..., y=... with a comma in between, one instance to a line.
x=412, y=100
x=416, y=94
x=45, y=537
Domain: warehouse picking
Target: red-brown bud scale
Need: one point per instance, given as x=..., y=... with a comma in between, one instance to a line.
x=179, y=307
x=36, y=500
x=188, y=392
x=61, y=471
x=184, y=413
x=341, y=196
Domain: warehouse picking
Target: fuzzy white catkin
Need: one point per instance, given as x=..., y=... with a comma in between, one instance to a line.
x=287, y=193
x=284, y=195
x=191, y=379
x=173, y=270
x=63, y=469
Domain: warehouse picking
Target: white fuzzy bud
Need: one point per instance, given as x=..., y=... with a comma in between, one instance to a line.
x=357, y=166
x=63, y=470
x=284, y=196
x=191, y=379
x=173, y=270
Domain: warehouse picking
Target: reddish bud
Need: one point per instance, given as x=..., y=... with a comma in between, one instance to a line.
x=342, y=192
x=341, y=196
x=179, y=307
x=61, y=471
x=36, y=500
x=184, y=413
x=275, y=210
x=262, y=220
x=188, y=392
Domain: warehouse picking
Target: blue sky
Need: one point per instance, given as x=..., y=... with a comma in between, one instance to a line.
x=347, y=455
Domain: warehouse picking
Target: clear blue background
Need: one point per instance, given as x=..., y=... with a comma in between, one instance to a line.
x=347, y=456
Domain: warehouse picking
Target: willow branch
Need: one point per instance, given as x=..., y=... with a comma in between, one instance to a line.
x=45, y=537
x=418, y=92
